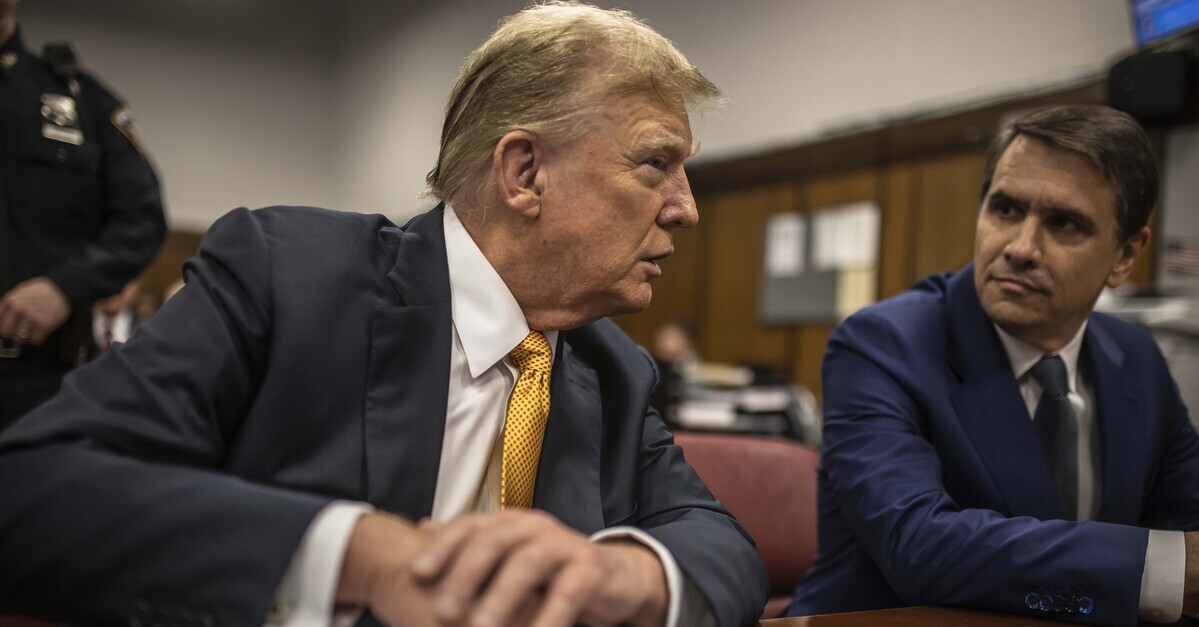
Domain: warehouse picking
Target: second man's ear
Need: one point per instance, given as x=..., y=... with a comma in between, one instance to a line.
x=515, y=164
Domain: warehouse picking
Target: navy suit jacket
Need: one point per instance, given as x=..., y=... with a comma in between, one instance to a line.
x=306, y=360
x=933, y=488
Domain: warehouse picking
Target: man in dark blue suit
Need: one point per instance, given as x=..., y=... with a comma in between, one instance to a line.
x=990, y=441
x=262, y=449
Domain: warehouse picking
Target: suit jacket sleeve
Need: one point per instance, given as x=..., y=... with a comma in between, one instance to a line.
x=113, y=509
x=884, y=472
x=715, y=553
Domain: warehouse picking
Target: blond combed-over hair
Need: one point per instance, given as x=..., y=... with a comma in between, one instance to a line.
x=549, y=70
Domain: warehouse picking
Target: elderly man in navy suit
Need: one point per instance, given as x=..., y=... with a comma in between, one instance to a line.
x=339, y=419
x=992, y=442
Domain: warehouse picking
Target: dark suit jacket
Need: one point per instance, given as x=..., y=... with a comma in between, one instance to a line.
x=933, y=488
x=308, y=359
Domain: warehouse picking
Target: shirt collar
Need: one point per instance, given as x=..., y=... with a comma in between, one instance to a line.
x=1023, y=357
x=486, y=316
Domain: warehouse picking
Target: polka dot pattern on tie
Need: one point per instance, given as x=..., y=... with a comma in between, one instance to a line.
x=528, y=410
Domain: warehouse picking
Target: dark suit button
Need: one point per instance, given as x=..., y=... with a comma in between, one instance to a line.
x=1033, y=601
x=1060, y=604
x=1085, y=605
x=1046, y=604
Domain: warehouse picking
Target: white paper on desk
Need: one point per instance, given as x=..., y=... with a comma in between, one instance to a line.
x=785, y=233
x=845, y=236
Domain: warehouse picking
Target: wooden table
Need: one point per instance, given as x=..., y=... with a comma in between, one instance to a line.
x=921, y=616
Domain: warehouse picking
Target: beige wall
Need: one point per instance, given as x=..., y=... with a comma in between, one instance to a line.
x=254, y=102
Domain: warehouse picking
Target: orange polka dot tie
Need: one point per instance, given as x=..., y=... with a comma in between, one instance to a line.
x=528, y=409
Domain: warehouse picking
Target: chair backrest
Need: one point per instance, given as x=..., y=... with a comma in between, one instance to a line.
x=769, y=484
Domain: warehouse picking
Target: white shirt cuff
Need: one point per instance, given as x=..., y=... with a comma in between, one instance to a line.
x=674, y=576
x=1164, y=577
x=306, y=596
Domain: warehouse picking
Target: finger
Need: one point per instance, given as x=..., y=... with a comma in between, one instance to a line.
x=483, y=552
x=20, y=332
x=567, y=597
x=444, y=541
x=37, y=333
x=518, y=580
x=8, y=322
x=529, y=610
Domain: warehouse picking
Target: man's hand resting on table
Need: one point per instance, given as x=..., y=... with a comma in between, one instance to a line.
x=516, y=567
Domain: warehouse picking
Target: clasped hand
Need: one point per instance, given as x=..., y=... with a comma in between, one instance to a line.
x=32, y=310
x=515, y=567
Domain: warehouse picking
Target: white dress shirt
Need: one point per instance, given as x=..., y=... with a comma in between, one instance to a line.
x=1165, y=556
x=487, y=324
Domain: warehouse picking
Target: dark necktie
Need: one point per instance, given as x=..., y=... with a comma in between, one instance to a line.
x=1057, y=426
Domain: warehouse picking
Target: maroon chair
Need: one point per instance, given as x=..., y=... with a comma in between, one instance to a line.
x=769, y=484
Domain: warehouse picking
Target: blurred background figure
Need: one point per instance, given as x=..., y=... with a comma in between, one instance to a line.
x=80, y=213
x=674, y=351
x=673, y=344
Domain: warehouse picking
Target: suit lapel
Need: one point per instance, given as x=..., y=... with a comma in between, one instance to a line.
x=991, y=409
x=568, y=475
x=1122, y=440
x=408, y=372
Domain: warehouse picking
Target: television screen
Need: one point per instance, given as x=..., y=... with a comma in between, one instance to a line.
x=1155, y=20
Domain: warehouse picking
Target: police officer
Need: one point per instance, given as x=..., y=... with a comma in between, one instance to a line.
x=80, y=213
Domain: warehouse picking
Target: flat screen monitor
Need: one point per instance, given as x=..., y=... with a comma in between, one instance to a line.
x=1157, y=20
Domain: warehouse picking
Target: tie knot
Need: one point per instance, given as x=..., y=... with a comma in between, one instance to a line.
x=533, y=353
x=1050, y=372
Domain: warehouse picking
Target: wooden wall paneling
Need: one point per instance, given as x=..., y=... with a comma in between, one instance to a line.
x=858, y=185
x=732, y=230
x=813, y=339
x=947, y=209
x=897, y=254
x=167, y=266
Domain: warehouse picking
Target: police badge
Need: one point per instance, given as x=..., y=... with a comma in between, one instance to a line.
x=62, y=119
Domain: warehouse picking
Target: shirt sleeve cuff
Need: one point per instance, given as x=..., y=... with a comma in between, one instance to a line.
x=1164, y=577
x=674, y=576
x=305, y=597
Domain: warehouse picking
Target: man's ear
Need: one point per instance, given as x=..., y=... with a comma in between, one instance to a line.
x=1128, y=257
x=515, y=162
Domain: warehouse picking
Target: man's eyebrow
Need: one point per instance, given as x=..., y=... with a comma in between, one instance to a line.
x=999, y=195
x=1074, y=213
x=1080, y=217
x=667, y=139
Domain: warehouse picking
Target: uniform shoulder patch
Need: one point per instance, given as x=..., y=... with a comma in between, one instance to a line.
x=123, y=121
